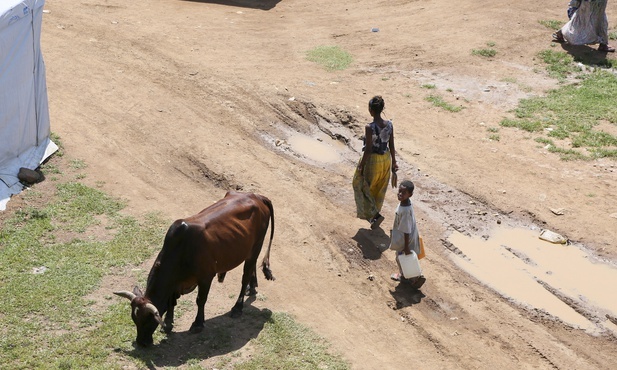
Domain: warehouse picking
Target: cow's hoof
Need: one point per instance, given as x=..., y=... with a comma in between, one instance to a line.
x=196, y=329
x=235, y=313
x=167, y=328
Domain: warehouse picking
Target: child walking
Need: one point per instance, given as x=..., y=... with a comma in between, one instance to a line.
x=405, y=236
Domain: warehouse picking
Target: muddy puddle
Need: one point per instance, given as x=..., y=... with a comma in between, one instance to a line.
x=562, y=280
x=319, y=148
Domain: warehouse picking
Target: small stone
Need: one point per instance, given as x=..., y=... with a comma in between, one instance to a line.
x=558, y=211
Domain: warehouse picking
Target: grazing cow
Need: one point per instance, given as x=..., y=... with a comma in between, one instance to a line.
x=197, y=248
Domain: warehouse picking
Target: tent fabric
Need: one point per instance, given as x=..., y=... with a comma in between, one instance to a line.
x=24, y=110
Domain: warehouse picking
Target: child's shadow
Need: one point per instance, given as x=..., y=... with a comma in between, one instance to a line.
x=372, y=242
x=405, y=296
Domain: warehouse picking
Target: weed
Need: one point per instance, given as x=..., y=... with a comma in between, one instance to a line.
x=559, y=63
x=552, y=24
x=494, y=137
x=428, y=86
x=439, y=102
x=487, y=53
x=331, y=57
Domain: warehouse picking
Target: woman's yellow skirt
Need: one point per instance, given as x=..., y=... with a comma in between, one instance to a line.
x=370, y=188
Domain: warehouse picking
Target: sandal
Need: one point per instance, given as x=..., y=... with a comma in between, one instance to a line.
x=376, y=221
x=606, y=48
x=558, y=37
x=395, y=276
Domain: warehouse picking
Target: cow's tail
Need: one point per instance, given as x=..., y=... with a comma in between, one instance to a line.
x=265, y=264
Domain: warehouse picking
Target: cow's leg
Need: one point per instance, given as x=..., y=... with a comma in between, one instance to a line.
x=169, y=316
x=250, y=291
x=202, y=296
x=247, y=276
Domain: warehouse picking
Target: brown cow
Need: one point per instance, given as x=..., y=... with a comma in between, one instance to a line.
x=197, y=248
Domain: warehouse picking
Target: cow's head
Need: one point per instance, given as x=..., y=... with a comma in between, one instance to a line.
x=144, y=314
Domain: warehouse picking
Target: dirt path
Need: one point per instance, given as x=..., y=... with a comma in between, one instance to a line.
x=172, y=103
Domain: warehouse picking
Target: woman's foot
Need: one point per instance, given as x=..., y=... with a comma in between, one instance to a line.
x=605, y=48
x=376, y=221
x=558, y=37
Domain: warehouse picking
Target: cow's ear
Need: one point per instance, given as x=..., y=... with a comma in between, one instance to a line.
x=137, y=291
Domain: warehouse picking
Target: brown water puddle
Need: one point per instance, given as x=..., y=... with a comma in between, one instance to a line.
x=321, y=148
x=522, y=267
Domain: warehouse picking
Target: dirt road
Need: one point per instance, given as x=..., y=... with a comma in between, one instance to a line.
x=171, y=103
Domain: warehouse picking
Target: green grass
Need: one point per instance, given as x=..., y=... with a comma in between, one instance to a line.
x=612, y=35
x=552, y=24
x=330, y=57
x=559, y=64
x=428, y=86
x=572, y=113
x=285, y=345
x=439, y=102
x=49, y=261
x=487, y=52
x=55, y=251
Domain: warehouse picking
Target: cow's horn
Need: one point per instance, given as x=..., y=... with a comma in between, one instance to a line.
x=126, y=294
x=151, y=308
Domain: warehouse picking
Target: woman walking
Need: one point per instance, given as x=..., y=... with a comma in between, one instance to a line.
x=588, y=25
x=372, y=175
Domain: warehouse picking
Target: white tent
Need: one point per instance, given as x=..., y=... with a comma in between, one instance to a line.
x=24, y=111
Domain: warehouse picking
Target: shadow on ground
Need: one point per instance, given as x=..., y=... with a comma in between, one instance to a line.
x=406, y=296
x=372, y=243
x=254, y=4
x=221, y=335
x=586, y=54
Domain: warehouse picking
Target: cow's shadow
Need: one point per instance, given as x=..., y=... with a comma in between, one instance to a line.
x=254, y=4
x=221, y=335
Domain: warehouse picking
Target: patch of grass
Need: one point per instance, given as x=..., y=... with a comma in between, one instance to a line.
x=573, y=112
x=612, y=35
x=559, y=64
x=487, y=53
x=491, y=44
x=331, y=57
x=439, y=102
x=492, y=129
x=48, y=264
x=77, y=164
x=545, y=141
x=428, y=86
x=552, y=24
x=285, y=345
x=494, y=137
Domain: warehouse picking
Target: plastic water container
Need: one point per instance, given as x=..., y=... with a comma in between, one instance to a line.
x=409, y=265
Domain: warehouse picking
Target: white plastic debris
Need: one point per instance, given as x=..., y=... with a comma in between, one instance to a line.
x=552, y=237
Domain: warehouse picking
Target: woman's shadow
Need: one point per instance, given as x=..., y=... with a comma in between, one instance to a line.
x=372, y=243
x=586, y=55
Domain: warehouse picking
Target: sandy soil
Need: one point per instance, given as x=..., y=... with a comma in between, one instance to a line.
x=171, y=103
